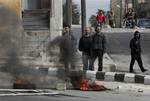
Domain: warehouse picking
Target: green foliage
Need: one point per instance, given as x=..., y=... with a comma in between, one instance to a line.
x=75, y=14
x=93, y=21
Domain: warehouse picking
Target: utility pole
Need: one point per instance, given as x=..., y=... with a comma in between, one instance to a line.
x=69, y=12
x=120, y=13
x=83, y=14
x=133, y=4
x=126, y=6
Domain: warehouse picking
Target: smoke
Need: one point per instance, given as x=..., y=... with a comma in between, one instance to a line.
x=62, y=48
x=11, y=47
x=66, y=46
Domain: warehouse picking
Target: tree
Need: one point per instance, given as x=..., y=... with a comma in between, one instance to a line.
x=75, y=14
x=93, y=21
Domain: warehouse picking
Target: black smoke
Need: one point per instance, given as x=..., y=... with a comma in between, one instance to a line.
x=11, y=46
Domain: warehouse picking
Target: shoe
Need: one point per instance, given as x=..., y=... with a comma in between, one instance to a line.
x=132, y=71
x=144, y=70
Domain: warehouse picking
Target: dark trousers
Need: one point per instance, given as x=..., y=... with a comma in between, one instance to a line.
x=99, y=54
x=137, y=57
x=86, y=61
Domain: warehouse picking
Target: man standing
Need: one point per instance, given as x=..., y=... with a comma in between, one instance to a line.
x=85, y=48
x=68, y=48
x=136, y=52
x=98, y=48
x=111, y=18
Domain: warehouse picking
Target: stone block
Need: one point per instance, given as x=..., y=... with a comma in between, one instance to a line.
x=91, y=75
x=129, y=78
x=139, y=79
x=147, y=80
x=119, y=77
x=110, y=76
x=100, y=75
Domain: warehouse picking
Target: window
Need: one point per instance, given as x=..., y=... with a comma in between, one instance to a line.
x=35, y=14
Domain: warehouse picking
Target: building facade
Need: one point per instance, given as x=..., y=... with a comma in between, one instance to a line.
x=118, y=7
x=40, y=22
x=143, y=8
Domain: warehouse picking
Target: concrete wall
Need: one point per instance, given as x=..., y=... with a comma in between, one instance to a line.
x=56, y=19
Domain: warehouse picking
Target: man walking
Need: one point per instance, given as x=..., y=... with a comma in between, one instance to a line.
x=85, y=48
x=136, y=52
x=98, y=48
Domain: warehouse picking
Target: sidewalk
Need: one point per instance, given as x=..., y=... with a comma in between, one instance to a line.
x=118, y=30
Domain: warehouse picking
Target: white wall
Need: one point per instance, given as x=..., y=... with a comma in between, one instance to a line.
x=56, y=20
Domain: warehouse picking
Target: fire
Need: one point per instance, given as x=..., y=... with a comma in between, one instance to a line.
x=84, y=85
x=19, y=81
x=23, y=84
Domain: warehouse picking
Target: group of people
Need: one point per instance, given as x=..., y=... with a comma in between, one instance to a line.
x=92, y=44
x=101, y=18
x=129, y=19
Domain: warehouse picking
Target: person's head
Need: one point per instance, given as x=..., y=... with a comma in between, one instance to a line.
x=137, y=35
x=130, y=10
x=86, y=31
x=67, y=28
x=98, y=29
x=100, y=12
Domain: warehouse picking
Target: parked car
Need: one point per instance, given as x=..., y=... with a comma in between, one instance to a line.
x=143, y=23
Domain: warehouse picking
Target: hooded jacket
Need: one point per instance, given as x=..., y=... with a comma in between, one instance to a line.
x=135, y=44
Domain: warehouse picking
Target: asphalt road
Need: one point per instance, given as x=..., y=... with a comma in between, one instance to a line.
x=82, y=96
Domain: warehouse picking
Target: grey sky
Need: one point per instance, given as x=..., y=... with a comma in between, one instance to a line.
x=94, y=5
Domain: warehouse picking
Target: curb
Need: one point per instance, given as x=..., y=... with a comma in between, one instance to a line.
x=109, y=76
x=123, y=77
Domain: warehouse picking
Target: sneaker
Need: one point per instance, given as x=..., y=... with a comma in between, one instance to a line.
x=131, y=71
x=144, y=70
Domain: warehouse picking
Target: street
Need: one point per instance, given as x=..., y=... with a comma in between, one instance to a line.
x=119, y=49
x=40, y=58
x=72, y=95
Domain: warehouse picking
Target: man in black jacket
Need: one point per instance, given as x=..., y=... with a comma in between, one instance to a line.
x=136, y=52
x=98, y=48
x=85, y=48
